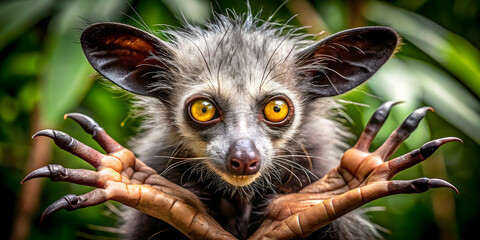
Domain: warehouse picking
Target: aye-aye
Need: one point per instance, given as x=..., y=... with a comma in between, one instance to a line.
x=240, y=137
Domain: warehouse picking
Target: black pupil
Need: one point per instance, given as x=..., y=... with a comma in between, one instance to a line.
x=204, y=109
x=276, y=108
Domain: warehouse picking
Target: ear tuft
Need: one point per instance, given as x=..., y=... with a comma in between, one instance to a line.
x=345, y=60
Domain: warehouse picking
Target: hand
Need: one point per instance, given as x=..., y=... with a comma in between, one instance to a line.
x=360, y=178
x=123, y=178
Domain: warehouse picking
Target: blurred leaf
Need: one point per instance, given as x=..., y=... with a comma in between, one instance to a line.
x=417, y=80
x=18, y=16
x=28, y=96
x=9, y=108
x=450, y=50
x=196, y=11
x=23, y=64
x=332, y=12
x=65, y=78
x=153, y=12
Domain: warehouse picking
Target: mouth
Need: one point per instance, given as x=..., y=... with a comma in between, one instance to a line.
x=235, y=180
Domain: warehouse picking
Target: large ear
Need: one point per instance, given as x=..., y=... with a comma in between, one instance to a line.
x=124, y=55
x=344, y=60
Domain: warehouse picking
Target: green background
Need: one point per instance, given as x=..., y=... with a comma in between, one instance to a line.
x=43, y=75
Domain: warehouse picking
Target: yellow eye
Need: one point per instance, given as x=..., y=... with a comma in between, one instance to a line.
x=202, y=110
x=276, y=110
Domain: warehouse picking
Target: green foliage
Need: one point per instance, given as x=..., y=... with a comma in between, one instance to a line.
x=450, y=50
x=43, y=74
x=18, y=16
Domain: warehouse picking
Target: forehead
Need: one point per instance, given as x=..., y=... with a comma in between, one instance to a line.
x=237, y=63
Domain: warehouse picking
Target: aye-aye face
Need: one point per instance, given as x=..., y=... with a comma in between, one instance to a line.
x=236, y=89
x=252, y=106
x=249, y=83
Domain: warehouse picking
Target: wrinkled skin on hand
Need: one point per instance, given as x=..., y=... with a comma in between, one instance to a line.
x=360, y=178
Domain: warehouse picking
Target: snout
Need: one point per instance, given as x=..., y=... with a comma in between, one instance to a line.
x=243, y=158
x=242, y=163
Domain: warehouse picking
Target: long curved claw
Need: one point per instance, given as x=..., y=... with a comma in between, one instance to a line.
x=374, y=124
x=401, y=133
x=72, y=202
x=61, y=139
x=41, y=172
x=411, y=122
x=98, y=133
x=89, y=125
x=418, y=185
x=439, y=183
x=58, y=173
x=429, y=148
x=67, y=202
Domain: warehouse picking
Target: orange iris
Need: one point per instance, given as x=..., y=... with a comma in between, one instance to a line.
x=276, y=110
x=202, y=110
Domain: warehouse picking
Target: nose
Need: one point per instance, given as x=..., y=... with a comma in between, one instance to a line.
x=243, y=158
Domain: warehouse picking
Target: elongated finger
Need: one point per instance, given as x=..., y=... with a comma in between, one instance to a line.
x=314, y=218
x=414, y=157
x=73, y=146
x=278, y=230
x=91, y=127
x=58, y=173
x=185, y=213
x=374, y=125
x=401, y=133
x=387, y=170
x=72, y=202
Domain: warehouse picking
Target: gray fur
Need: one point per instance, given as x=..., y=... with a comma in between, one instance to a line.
x=238, y=62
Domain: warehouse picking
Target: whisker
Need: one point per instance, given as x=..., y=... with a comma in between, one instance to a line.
x=187, y=170
x=142, y=23
x=174, y=165
x=299, y=167
x=291, y=172
x=175, y=151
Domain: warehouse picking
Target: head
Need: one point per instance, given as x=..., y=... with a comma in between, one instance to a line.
x=236, y=91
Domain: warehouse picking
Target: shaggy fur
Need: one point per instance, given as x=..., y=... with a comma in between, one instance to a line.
x=238, y=61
